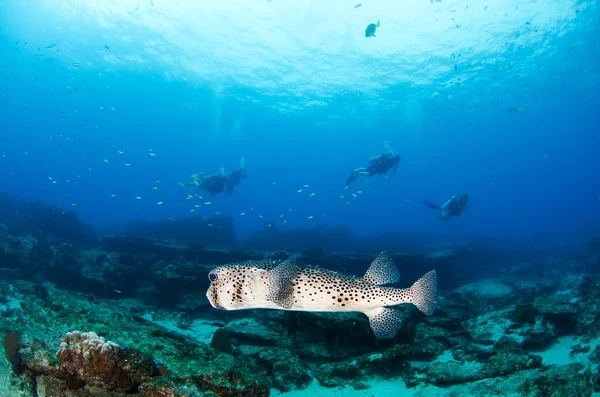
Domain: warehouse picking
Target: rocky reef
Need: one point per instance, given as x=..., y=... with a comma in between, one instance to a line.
x=129, y=316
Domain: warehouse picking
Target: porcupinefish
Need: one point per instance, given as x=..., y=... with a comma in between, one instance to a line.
x=287, y=285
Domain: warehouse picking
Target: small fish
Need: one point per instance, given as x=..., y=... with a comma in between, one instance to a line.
x=370, y=31
x=107, y=47
x=286, y=285
x=358, y=5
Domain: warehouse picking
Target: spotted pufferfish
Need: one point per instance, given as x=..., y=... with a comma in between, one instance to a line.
x=287, y=285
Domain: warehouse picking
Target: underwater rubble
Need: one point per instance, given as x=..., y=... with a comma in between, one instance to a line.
x=128, y=316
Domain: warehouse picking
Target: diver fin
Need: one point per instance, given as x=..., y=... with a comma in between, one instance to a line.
x=352, y=177
x=385, y=322
x=424, y=293
x=383, y=270
x=281, y=290
x=429, y=204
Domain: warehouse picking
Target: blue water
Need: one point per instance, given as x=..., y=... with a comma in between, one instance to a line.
x=174, y=88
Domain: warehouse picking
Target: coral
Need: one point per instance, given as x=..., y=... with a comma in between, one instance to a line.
x=91, y=358
x=453, y=372
x=559, y=381
x=160, y=389
x=230, y=384
x=288, y=371
x=503, y=364
x=97, y=362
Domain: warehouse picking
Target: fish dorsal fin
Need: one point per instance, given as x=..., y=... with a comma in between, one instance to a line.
x=280, y=288
x=383, y=270
x=385, y=322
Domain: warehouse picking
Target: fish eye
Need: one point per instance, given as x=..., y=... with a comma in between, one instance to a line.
x=213, y=277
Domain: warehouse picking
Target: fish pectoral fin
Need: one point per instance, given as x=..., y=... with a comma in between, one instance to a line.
x=383, y=270
x=280, y=288
x=385, y=322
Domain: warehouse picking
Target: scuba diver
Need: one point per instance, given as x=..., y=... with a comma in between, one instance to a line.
x=451, y=208
x=378, y=165
x=212, y=184
x=219, y=182
x=235, y=177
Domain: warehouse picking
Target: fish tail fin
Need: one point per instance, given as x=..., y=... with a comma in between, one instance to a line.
x=378, y=23
x=424, y=293
x=429, y=204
